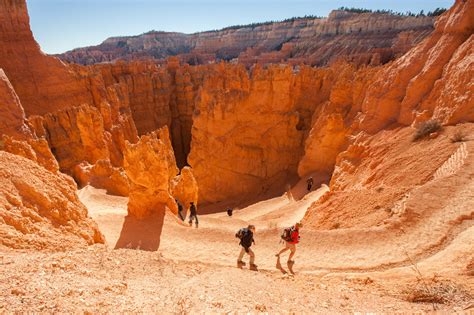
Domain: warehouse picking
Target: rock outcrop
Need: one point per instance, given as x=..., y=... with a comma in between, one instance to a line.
x=184, y=187
x=366, y=38
x=432, y=80
x=331, y=125
x=157, y=96
x=150, y=166
x=12, y=115
x=42, y=83
x=378, y=166
x=249, y=129
x=15, y=134
x=103, y=175
x=70, y=109
x=40, y=209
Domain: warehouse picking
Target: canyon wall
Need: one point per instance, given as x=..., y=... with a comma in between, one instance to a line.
x=249, y=128
x=246, y=133
x=43, y=83
x=362, y=38
x=380, y=165
x=12, y=115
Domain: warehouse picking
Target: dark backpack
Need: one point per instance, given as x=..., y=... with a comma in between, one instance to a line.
x=241, y=233
x=286, y=235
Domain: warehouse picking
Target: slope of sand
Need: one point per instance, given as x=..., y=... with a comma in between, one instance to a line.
x=194, y=269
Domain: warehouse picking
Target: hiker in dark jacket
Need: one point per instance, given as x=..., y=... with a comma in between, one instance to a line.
x=180, y=209
x=246, y=240
x=310, y=183
x=193, y=215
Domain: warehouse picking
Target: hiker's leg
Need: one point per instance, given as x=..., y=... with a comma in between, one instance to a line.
x=252, y=256
x=292, y=252
x=196, y=218
x=283, y=250
x=241, y=255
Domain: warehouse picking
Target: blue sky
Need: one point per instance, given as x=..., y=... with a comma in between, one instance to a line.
x=61, y=25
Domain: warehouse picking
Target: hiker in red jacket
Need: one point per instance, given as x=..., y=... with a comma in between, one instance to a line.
x=291, y=236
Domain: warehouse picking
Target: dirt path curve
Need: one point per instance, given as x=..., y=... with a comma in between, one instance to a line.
x=430, y=224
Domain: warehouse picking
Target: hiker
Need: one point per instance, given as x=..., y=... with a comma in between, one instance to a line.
x=291, y=236
x=180, y=209
x=246, y=240
x=310, y=183
x=193, y=214
x=229, y=212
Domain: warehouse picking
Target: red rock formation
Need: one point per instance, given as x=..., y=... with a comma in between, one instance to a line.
x=377, y=168
x=184, y=187
x=362, y=38
x=150, y=166
x=43, y=83
x=15, y=134
x=33, y=149
x=331, y=126
x=39, y=209
x=374, y=176
x=103, y=175
x=75, y=135
x=435, y=78
x=248, y=129
x=12, y=116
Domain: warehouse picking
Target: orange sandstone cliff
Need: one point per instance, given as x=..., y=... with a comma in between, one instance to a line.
x=380, y=170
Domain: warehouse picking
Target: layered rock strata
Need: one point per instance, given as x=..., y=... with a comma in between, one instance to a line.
x=367, y=38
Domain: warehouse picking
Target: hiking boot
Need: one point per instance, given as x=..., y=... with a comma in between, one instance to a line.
x=253, y=267
x=240, y=263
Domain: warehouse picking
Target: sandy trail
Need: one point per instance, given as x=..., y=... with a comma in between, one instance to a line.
x=341, y=270
x=213, y=242
x=189, y=270
x=434, y=224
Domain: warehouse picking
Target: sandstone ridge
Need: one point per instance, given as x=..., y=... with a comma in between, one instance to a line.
x=313, y=41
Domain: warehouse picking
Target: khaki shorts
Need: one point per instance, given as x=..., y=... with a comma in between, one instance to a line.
x=292, y=247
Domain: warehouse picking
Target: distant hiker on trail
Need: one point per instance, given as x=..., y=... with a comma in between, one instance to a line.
x=193, y=215
x=310, y=183
x=229, y=212
x=246, y=240
x=291, y=236
x=180, y=210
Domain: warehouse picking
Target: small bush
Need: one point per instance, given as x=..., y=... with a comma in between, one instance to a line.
x=437, y=291
x=459, y=136
x=426, y=128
